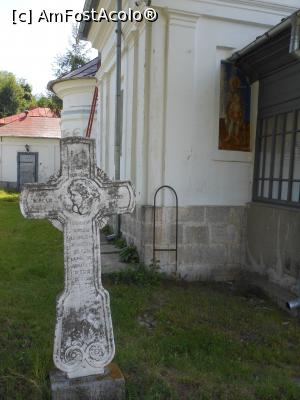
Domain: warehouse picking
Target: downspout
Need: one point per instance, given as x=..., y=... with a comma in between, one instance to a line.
x=118, y=111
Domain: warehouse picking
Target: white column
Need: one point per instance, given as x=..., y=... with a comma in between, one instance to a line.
x=77, y=97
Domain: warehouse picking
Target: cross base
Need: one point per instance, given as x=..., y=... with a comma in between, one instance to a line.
x=110, y=386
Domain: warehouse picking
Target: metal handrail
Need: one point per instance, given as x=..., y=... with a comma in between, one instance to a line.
x=154, y=227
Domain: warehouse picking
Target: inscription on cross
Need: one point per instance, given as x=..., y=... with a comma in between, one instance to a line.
x=79, y=200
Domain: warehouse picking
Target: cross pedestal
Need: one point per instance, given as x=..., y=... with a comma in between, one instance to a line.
x=79, y=200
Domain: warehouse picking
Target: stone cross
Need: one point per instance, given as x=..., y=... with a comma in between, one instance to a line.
x=79, y=200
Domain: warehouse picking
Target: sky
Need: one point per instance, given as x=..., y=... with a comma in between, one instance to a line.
x=29, y=50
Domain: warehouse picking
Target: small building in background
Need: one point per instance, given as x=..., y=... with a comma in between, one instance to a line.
x=29, y=147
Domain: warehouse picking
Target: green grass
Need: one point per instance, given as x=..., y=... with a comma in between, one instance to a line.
x=8, y=196
x=173, y=340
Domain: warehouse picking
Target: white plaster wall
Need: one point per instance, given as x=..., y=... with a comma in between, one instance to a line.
x=200, y=172
x=171, y=97
x=77, y=96
x=48, y=158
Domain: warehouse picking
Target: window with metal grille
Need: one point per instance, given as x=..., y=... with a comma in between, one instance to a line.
x=277, y=164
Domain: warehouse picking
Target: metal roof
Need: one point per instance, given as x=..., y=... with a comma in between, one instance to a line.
x=39, y=122
x=272, y=51
x=275, y=30
x=88, y=70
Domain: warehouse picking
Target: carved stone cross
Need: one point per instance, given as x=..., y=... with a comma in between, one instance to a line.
x=78, y=201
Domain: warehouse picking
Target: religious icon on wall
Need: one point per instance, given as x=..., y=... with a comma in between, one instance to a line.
x=234, y=122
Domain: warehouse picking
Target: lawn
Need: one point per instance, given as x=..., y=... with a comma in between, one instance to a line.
x=173, y=340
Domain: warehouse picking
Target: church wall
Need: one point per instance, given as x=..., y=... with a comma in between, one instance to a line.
x=171, y=72
x=48, y=158
x=200, y=173
x=213, y=186
x=272, y=247
x=110, y=129
x=134, y=137
x=128, y=159
x=171, y=102
x=105, y=123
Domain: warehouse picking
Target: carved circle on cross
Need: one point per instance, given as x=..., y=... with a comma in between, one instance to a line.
x=83, y=193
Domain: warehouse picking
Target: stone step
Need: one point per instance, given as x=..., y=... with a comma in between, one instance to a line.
x=107, y=248
x=110, y=260
x=111, y=263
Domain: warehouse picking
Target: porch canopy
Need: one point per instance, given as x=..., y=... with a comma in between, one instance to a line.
x=274, y=50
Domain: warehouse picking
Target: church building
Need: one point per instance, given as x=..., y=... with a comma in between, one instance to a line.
x=208, y=103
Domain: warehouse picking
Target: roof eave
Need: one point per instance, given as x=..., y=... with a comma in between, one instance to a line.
x=85, y=26
x=28, y=136
x=292, y=20
x=75, y=78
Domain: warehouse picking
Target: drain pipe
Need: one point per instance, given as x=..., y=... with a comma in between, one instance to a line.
x=118, y=122
x=118, y=111
x=291, y=305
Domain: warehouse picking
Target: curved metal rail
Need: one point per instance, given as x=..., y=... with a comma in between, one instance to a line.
x=154, y=227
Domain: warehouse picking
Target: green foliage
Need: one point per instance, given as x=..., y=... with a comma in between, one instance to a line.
x=43, y=101
x=107, y=230
x=15, y=95
x=75, y=56
x=51, y=101
x=138, y=274
x=9, y=196
x=120, y=243
x=129, y=254
x=10, y=94
x=28, y=99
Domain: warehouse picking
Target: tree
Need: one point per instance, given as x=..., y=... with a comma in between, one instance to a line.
x=15, y=95
x=10, y=94
x=42, y=101
x=28, y=99
x=51, y=101
x=76, y=55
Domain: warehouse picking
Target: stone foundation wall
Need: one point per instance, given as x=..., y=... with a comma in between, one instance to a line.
x=273, y=244
x=259, y=243
x=211, y=239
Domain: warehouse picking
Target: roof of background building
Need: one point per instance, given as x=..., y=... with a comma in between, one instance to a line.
x=39, y=122
x=88, y=70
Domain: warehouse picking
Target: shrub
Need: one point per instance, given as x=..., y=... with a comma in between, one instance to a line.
x=107, y=230
x=120, y=243
x=139, y=275
x=129, y=254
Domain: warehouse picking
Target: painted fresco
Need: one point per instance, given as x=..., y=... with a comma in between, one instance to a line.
x=234, y=120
